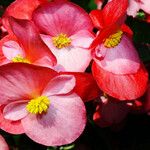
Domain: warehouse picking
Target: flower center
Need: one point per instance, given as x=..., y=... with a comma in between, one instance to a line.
x=38, y=105
x=113, y=40
x=20, y=59
x=61, y=41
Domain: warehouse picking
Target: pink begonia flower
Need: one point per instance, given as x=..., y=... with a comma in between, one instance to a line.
x=42, y=103
x=67, y=30
x=117, y=67
x=136, y=5
x=3, y=144
x=25, y=45
x=110, y=112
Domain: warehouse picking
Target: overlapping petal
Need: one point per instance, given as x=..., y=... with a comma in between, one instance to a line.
x=123, y=87
x=52, y=21
x=63, y=123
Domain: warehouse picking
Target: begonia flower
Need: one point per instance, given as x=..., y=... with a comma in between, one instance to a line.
x=117, y=67
x=136, y=5
x=3, y=144
x=67, y=30
x=25, y=45
x=110, y=112
x=41, y=103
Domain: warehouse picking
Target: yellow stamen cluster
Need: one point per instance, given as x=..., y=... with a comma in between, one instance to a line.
x=113, y=40
x=61, y=41
x=38, y=105
x=20, y=59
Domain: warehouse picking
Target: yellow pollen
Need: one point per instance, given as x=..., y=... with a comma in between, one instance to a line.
x=38, y=105
x=113, y=40
x=61, y=41
x=20, y=59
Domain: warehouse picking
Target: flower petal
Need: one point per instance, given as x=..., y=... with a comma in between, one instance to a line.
x=82, y=39
x=3, y=144
x=22, y=81
x=122, y=59
x=123, y=87
x=23, y=12
x=63, y=123
x=11, y=49
x=114, y=11
x=133, y=8
x=13, y=127
x=70, y=56
x=86, y=86
x=15, y=110
x=50, y=19
x=61, y=84
x=29, y=38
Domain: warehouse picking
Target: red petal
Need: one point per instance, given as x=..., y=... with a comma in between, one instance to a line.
x=21, y=9
x=29, y=38
x=123, y=87
x=86, y=86
x=114, y=11
x=103, y=34
x=127, y=30
x=97, y=18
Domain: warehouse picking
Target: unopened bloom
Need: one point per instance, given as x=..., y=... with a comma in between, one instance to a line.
x=41, y=103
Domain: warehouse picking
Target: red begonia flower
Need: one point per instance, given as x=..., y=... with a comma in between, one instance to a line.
x=117, y=67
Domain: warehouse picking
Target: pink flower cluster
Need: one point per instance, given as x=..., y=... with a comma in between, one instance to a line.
x=43, y=58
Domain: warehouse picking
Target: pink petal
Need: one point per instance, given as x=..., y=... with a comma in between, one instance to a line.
x=79, y=58
x=29, y=38
x=61, y=84
x=11, y=49
x=13, y=127
x=3, y=144
x=23, y=81
x=55, y=18
x=122, y=59
x=82, y=39
x=133, y=8
x=145, y=5
x=3, y=59
x=63, y=123
x=15, y=110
